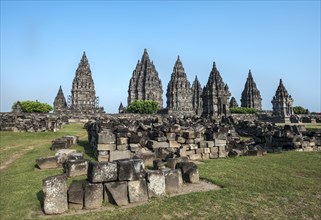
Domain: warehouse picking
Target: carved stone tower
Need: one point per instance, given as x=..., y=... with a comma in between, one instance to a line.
x=282, y=102
x=215, y=95
x=197, y=97
x=179, y=93
x=233, y=103
x=145, y=84
x=83, y=95
x=60, y=104
x=251, y=97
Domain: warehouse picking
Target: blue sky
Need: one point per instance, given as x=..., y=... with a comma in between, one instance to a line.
x=42, y=44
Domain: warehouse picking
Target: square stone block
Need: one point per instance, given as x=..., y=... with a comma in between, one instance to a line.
x=174, y=144
x=47, y=162
x=137, y=191
x=189, y=171
x=119, y=155
x=171, y=136
x=130, y=169
x=155, y=183
x=173, y=180
x=106, y=147
x=116, y=193
x=76, y=194
x=106, y=138
x=122, y=141
x=76, y=168
x=102, y=171
x=93, y=195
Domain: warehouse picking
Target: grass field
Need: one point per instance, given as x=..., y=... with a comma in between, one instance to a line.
x=277, y=186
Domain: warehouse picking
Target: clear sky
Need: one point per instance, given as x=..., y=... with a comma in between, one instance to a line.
x=42, y=44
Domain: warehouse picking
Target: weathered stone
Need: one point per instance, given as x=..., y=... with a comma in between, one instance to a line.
x=119, y=155
x=134, y=139
x=173, y=180
x=219, y=143
x=60, y=104
x=282, y=102
x=233, y=103
x=171, y=136
x=189, y=134
x=197, y=156
x=47, y=162
x=130, y=169
x=103, y=158
x=134, y=147
x=76, y=194
x=155, y=183
x=59, y=144
x=55, y=194
x=151, y=144
x=122, y=147
x=197, y=97
x=181, y=140
x=145, y=84
x=137, y=191
x=106, y=138
x=109, y=147
x=251, y=97
x=189, y=171
x=64, y=154
x=102, y=171
x=174, y=144
x=76, y=168
x=93, y=195
x=75, y=156
x=213, y=155
x=116, y=193
x=122, y=141
x=158, y=164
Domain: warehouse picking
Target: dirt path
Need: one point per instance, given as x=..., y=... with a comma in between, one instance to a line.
x=15, y=157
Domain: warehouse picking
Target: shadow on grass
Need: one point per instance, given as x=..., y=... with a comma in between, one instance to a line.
x=40, y=197
x=89, y=151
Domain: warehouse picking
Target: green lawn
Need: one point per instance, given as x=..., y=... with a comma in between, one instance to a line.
x=277, y=186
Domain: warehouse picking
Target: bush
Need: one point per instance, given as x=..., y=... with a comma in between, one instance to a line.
x=243, y=110
x=143, y=107
x=300, y=110
x=33, y=106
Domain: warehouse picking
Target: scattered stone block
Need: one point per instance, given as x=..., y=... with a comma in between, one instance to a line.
x=173, y=180
x=213, y=155
x=76, y=168
x=171, y=136
x=93, y=196
x=210, y=144
x=158, y=164
x=134, y=147
x=59, y=144
x=134, y=139
x=55, y=194
x=189, y=171
x=155, y=183
x=76, y=195
x=106, y=138
x=160, y=139
x=130, y=169
x=102, y=171
x=122, y=147
x=47, y=162
x=103, y=158
x=195, y=156
x=219, y=143
x=181, y=140
x=122, y=141
x=63, y=154
x=75, y=156
x=119, y=155
x=73, y=138
x=116, y=193
x=151, y=144
x=104, y=147
x=174, y=144
x=137, y=191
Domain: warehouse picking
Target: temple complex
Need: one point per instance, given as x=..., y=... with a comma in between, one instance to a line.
x=251, y=97
x=233, y=103
x=144, y=83
x=179, y=93
x=60, y=104
x=215, y=95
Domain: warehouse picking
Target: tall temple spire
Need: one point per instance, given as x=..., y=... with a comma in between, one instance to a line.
x=145, y=83
x=179, y=93
x=251, y=97
x=83, y=98
x=282, y=102
x=60, y=104
x=215, y=95
x=197, y=97
x=233, y=103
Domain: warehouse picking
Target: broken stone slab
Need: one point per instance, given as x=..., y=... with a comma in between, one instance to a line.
x=55, y=194
x=106, y=138
x=134, y=139
x=171, y=162
x=75, y=156
x=130, y=169
x=151, y=144
x=73, y=138
x=147, y=157
x=173, y=180
x=158, y=164
x=70, y=141
x=102, y=171
x=76, y=194
x=219, y=143
x=76, y=168
x=137, y=191
x=213, y=155
x=189, y=171
x=174, y=144
x=47, y=162
x=109, y=147
x=122, y=147
x=93, y=196
x=134, y=147
x=63, y=154
x=116, y=193
x=189, y=134
x=155, y=183
x=171, y=136
x=235, y=153
x=122, y=141
x=119, y=155
x=59, y=144
x=181, y=140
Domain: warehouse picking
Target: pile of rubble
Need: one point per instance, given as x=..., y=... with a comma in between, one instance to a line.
x=119, y=182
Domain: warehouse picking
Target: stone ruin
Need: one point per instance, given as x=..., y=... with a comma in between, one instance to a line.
x=60, y=104
x=251, y=97
x=145, y=84
x=233, y=103
x=197, y=97
x=282, y=103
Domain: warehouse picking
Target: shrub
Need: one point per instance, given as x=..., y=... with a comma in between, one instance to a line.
x=33, y=106
x=143, y=107
x=243, y=110
x=300, y=110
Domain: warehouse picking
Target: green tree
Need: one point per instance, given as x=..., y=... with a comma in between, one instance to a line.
x=300, y=110
x=33, y=106
x=243, y=110
x=143, y=107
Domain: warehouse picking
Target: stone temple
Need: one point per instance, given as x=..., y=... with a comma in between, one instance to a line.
x=83, y=95
x=233, y=103
x=197, y=97
x=251, y=97
x=179, y=93
x=215, y=95
x=282, y=102
x=60, y=104
x=144, y=83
